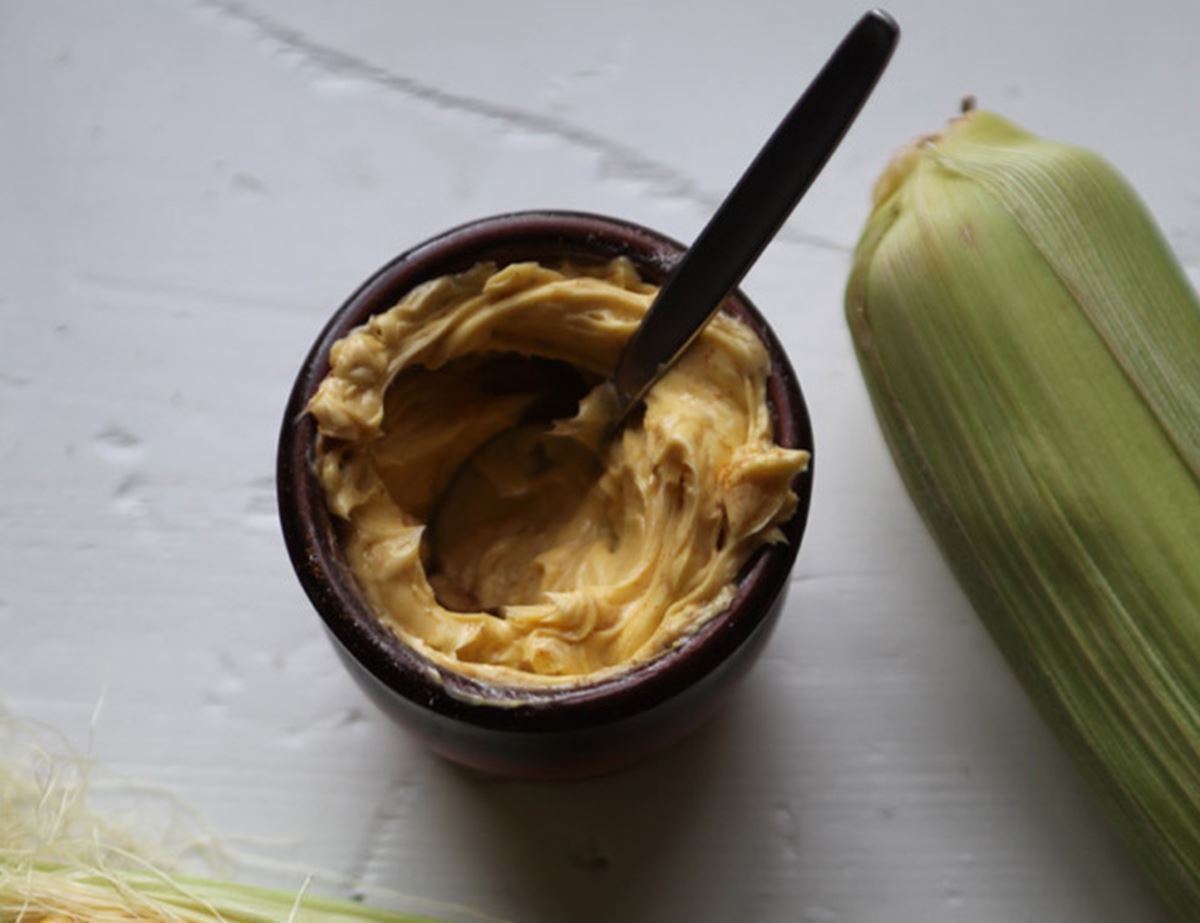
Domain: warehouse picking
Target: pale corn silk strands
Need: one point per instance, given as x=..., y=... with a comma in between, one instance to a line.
x=63, y=862
x=1032, y=349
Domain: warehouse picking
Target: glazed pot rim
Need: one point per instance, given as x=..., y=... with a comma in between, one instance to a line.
x=309, y=528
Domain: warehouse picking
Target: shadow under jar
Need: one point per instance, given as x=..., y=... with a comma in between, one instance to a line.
x=532, y=732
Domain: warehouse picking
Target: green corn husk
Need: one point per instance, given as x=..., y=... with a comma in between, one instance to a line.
x=1032, y=350
x=65, y=894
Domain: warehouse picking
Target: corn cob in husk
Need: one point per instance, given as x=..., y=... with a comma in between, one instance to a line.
x=1032, y=350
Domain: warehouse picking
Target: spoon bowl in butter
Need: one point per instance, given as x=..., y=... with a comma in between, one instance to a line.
x=512, y=498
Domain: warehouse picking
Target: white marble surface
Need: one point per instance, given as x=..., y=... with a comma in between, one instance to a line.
x=189, y=188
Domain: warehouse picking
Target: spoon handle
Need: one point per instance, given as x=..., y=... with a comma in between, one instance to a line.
x=756, y=208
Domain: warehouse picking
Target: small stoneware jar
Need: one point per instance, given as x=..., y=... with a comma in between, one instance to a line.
x=532, y=732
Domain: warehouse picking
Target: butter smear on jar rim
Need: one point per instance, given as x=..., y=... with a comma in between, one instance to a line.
x=594, y=571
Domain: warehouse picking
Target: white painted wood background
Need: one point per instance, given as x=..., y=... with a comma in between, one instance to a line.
x=188, y=189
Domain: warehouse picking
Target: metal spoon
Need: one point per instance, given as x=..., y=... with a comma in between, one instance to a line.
x=728, y=246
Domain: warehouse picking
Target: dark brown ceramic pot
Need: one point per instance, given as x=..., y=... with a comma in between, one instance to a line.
x=555, y=733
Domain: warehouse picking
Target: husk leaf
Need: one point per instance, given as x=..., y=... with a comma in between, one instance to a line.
x=1032, y=348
